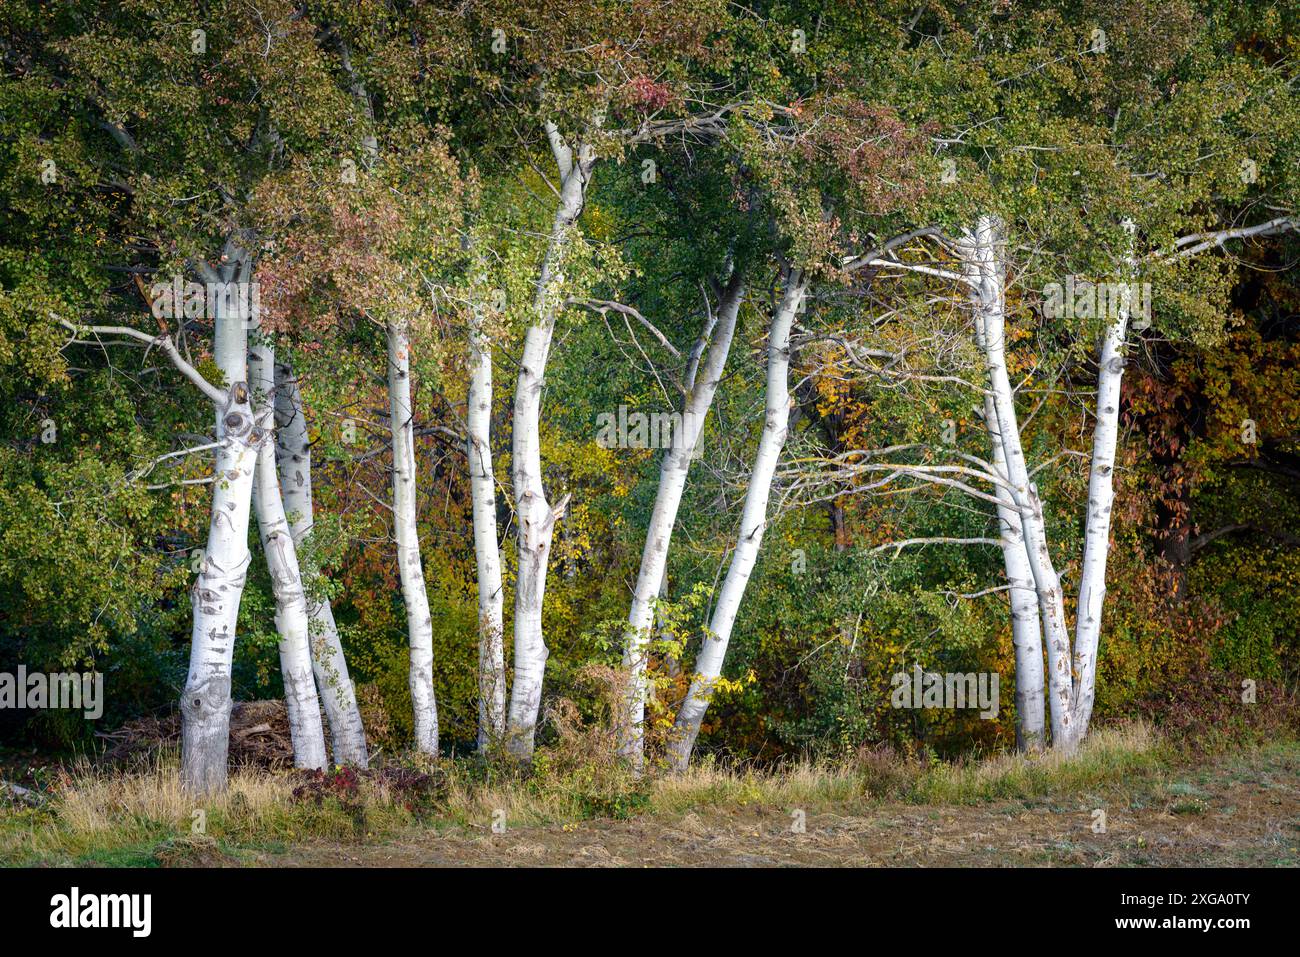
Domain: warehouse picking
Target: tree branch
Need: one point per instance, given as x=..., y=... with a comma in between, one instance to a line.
x=164, y=342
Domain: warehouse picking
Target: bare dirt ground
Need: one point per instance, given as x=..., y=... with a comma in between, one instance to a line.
x=1230, y=812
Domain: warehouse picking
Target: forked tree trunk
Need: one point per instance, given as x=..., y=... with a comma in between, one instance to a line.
x=753, y=522
x=673, y=470
x=984, y=247
x=1026, y=635
x=482, y=478
x=205, y=702
x=234, y=318
x=536, y=516
x=419, y=621
x=292, y=621
x=329, y=664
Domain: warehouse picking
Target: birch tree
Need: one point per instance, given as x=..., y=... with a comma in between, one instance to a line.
x=989, y=304
x=487, y=557
x=1071, y=666
x=369, y=245
x=415, y=594
x=1133, y=54
x=233, y=304
x=292, y=619
x=703, y=373
x=1026, y=636
x=173, y=124
x=329, y=664
x=596, y=84
x=206, y=699
x=205, y=702
x=753, y=522
x=537, y=516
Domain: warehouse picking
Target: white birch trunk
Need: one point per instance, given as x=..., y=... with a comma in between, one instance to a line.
x=1026, y=636
x=292, y=621
x=536, y=516
x=230, y=343
x=673, y=470
x=205, y=702
x=329, y=664
x=1101, y=497
x=234, y=317
x=989, y=301
x=753, y=522
x=414, y=591
x=482, y=478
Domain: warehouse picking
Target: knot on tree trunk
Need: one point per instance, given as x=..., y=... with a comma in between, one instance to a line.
x=206, y=699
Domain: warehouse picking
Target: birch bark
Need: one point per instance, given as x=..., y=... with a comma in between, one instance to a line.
x=984, y=249
x=536, y=516
x=753, y=522
x=205, y=702
x=292, y=622
x=234, y=310
x=491, y=652
x=415, y=594
x=1026, y=635
x=673, y=470
x=329, y=664
x=1101, y=497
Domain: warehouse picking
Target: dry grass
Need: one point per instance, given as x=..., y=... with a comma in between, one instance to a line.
x=144, y=817
x=806, y=784
x=1107, y=756
x=99, y=800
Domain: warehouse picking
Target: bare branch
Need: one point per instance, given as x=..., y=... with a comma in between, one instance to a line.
x=603, y=306
x=1199, y=242
x=899, y=546
x=164, y=342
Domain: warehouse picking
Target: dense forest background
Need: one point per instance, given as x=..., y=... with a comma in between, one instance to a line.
x=158, y=152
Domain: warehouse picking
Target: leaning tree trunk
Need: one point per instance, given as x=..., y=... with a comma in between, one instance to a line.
x=292, y=621
x=482, y=479
x=673, y=471
x=1101, y=496
x=753, y=522
x=205, y=702
x=1026, y=636
x=419, y=621
x=535, y=515
x=330, y=666
x=234, y=316
x=984, y=248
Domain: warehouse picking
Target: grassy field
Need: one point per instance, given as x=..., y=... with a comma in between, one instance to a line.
x=1129, y=798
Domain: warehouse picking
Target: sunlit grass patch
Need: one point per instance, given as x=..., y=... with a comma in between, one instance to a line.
x=99, y=814
x=1108, y=756
x=805, y=784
